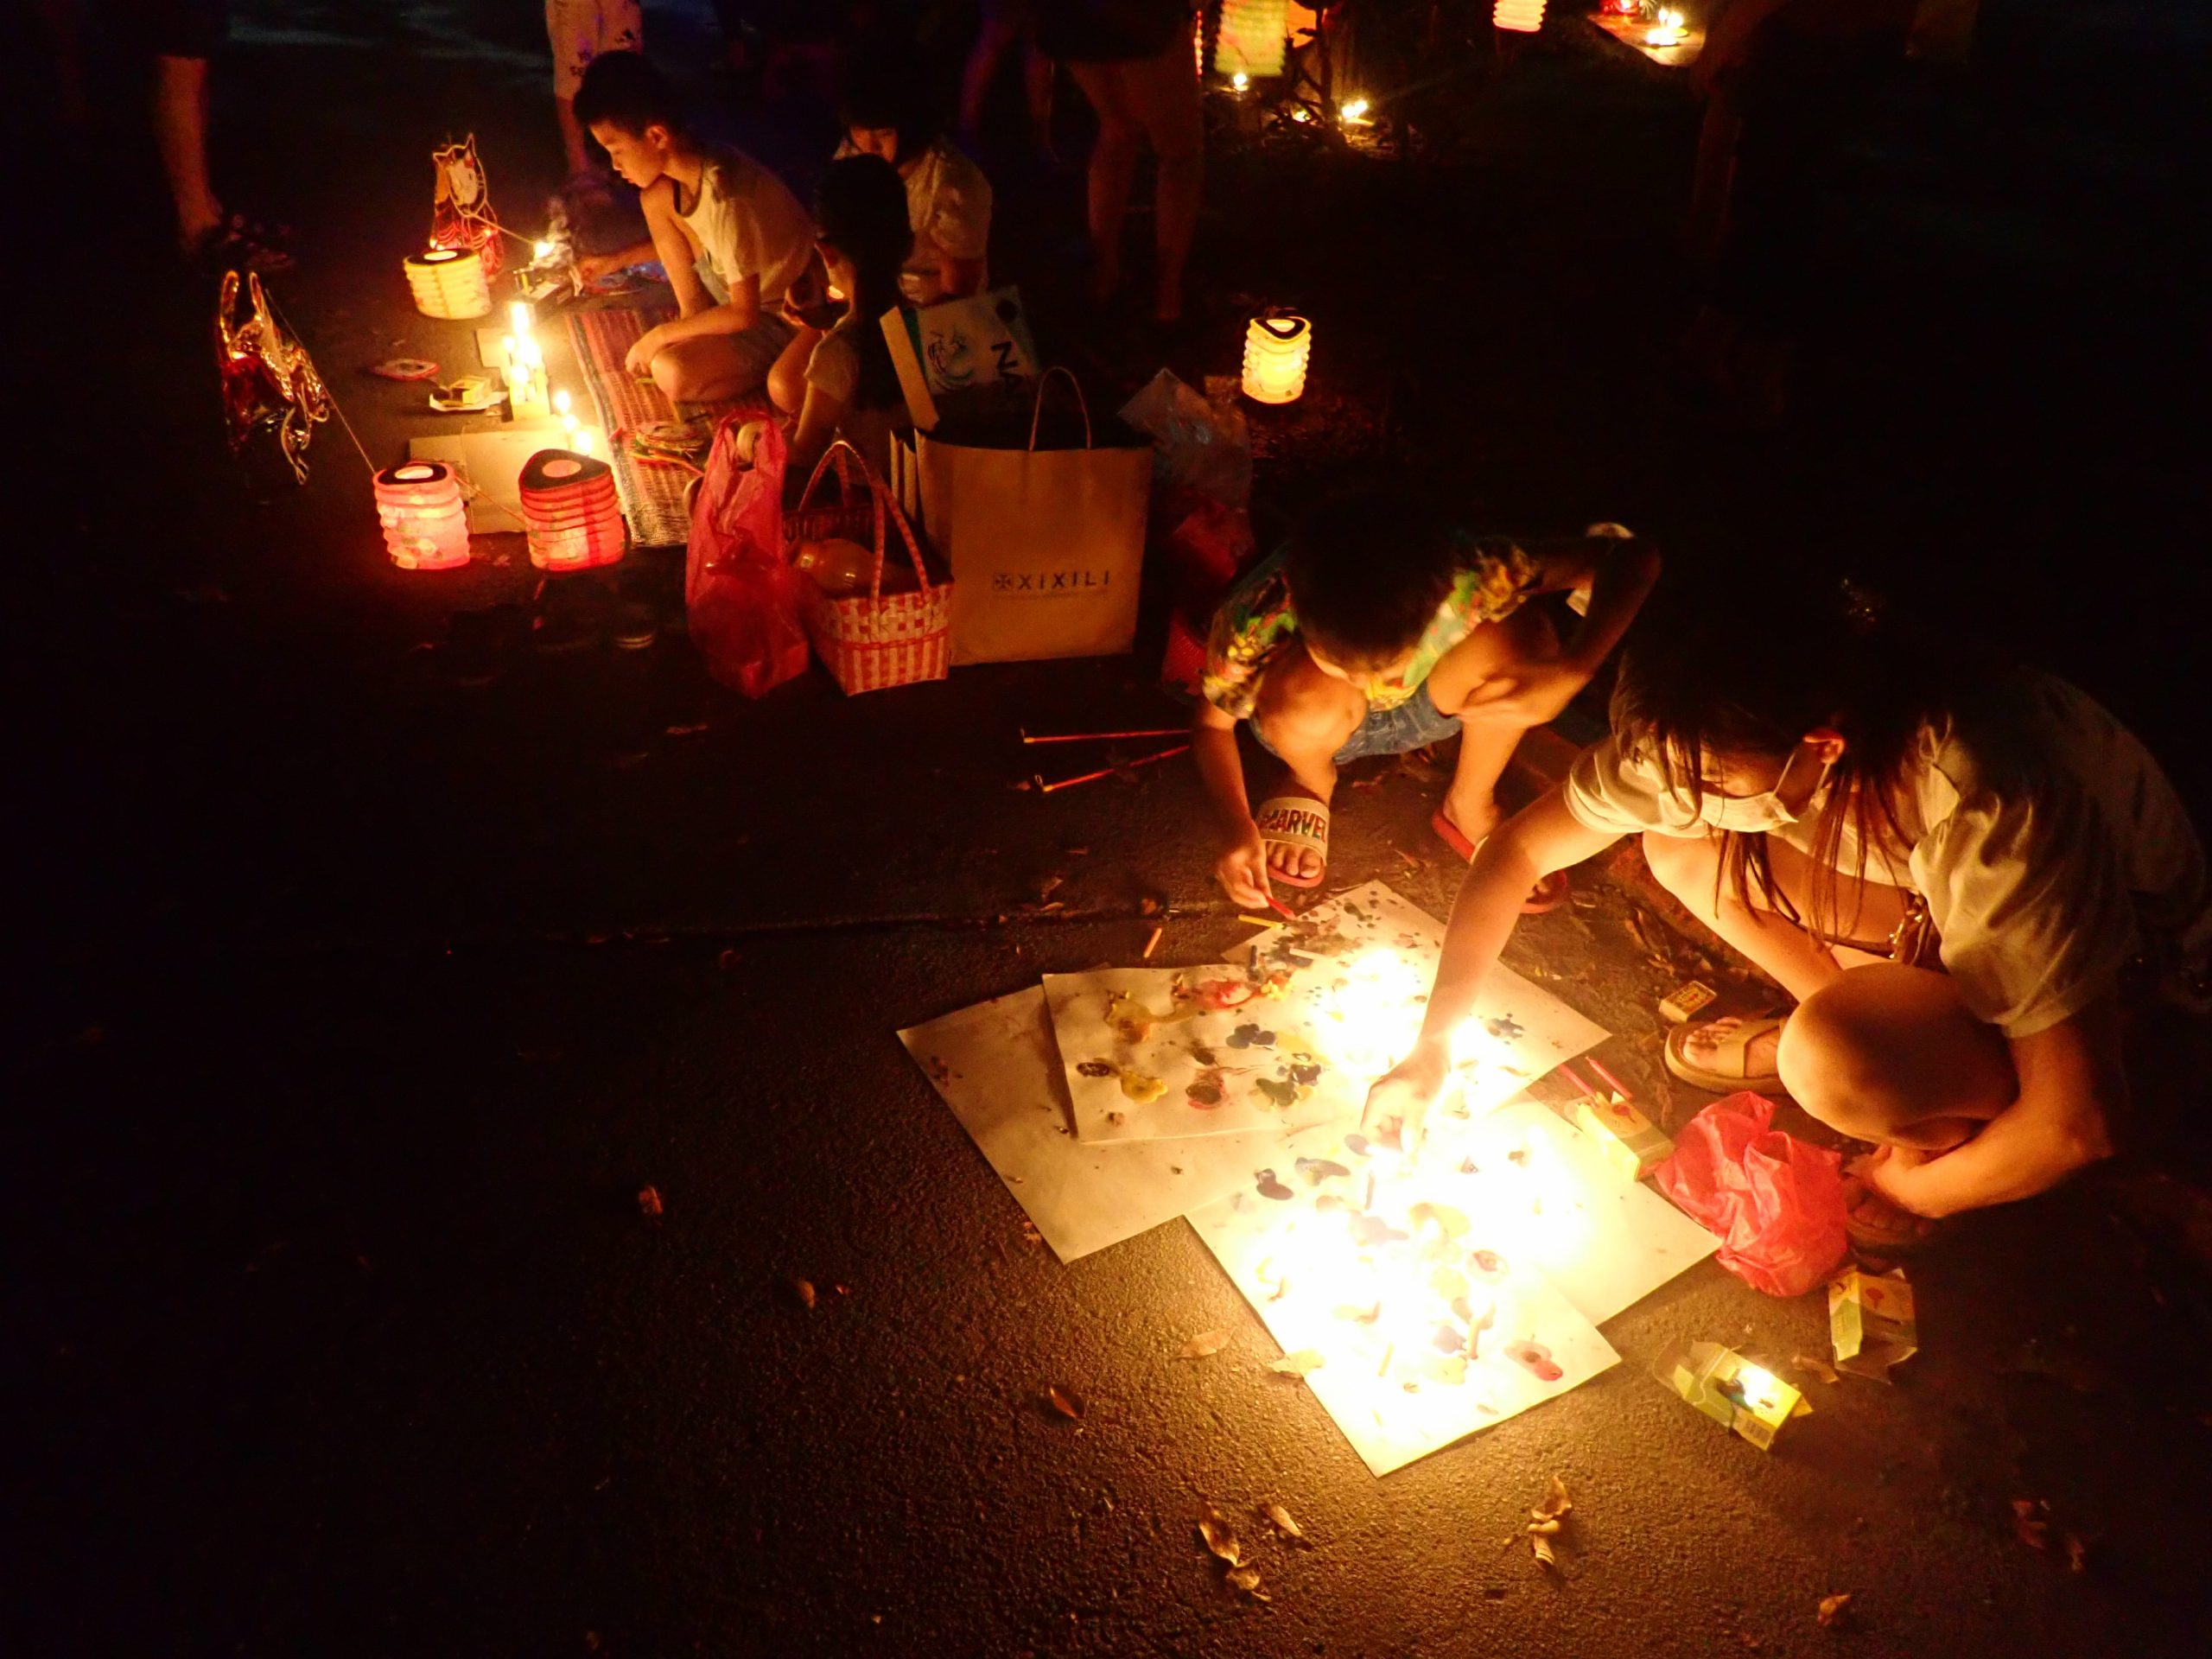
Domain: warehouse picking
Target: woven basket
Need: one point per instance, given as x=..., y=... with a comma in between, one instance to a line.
x=871, y=641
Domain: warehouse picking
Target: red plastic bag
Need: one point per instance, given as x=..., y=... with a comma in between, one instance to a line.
x=1777, y=1202
x=740, y=591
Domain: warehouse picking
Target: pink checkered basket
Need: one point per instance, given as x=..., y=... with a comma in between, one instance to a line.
x=873, y=641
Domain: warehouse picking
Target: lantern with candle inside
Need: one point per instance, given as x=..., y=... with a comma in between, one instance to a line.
x=1519, y=17
x=569, y=511
x=448, y=283
x=1275, y=353
x=425, y=519
x=1252, y=36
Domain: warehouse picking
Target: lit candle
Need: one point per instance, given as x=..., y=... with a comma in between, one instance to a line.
x=1354, y=111
x=524, y=316
x=1670, y=31
x=542, y=250
x=561, y=402
x=1239, y=81
x=583, y=445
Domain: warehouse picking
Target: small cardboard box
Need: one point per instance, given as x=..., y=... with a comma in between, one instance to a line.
x=1686, y=1001
x=1870, y=1322
x=1631, y=1142
x=1733, y=1391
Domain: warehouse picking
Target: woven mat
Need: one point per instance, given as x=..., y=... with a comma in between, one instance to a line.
x=652, y=495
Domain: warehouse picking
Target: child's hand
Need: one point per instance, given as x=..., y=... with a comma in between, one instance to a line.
x=593, y=266
x=639, y=359
x=1402, y=1097
x=1243, y=870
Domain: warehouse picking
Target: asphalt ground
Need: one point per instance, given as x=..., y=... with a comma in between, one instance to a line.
x=354, y=1006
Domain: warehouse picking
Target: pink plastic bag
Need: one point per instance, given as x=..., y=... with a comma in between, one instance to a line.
x=1777, y=1202
x=740, y=591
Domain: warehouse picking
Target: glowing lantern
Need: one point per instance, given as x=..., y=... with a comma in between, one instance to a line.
x=1670, y=31
x=1275, y=351
x=1252, y=36
x=425, y=519
x=569, y=511
x=449, y=283
x=1522, y=16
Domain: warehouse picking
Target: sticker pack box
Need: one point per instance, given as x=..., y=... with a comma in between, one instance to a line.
x=1870, y=1322
x=1735, y=1392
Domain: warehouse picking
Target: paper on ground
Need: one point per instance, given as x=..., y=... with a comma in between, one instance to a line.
x=1369, y=957
x=1164, y=1053
x=996, y=1066
x=1554, y=1201
x=1431, y=1327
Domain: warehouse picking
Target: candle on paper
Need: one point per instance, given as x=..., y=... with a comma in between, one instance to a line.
x=1670, y=30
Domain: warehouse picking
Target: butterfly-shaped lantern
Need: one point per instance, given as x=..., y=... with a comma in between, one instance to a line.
x=268, y=380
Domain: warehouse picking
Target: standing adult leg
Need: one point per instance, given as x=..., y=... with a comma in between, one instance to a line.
x=1112, y=170
x=1163, y=95
x=181, y=133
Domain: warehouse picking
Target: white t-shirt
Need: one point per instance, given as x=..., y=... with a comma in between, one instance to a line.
x=749, y=224
x=2040, y=828
x=833, y=370
x=949, y=209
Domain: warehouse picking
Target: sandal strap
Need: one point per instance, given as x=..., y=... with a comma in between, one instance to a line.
x=1747, y=1032
x=1294, y=821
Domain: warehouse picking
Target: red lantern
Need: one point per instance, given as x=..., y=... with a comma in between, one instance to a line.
x=570, y=509
x=425, y=519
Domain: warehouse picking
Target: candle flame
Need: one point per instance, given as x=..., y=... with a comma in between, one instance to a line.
x=1354, y=111
x=1239, y=81
x=560, y=401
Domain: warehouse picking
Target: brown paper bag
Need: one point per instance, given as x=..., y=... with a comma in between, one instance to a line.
x=1045, y=544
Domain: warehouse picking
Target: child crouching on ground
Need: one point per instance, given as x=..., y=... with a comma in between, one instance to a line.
x=733, y=240
x=1382, y=628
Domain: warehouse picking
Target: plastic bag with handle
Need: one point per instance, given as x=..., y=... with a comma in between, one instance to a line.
x=742, y=593
x=1776, y=1202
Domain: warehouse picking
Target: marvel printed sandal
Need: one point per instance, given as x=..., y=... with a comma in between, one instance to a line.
x=1298, y=822
x=1730, y=1052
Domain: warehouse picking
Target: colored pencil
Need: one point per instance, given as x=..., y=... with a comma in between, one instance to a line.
x=1101, y=737
x=1108, y=772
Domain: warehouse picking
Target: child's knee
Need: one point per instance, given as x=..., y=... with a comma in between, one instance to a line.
x=674, y=380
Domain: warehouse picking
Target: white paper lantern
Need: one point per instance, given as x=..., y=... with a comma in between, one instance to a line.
x=1276, y=349
x=1252, y=37
x=1522, y=16
x=449, y=283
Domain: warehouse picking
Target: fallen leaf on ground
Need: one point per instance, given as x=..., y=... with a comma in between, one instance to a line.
x=1279, y=1518
x=1814, y=1366
x=1545, y=1526
x=801, y=1291
x=1298, y=1364
x=1066, y=1404
x=1832, y=1609
x=1206, y=1343
x=649, y=1201
x=1246, y=1579
x=1556, y=1502
x=2077, y=1554
x=1220, y=1537
x=1542, y=1546
x=687, y=731
x=2031, y=1521
x=727, y=960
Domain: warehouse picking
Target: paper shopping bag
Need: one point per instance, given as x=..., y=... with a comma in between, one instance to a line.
x=1045, y=543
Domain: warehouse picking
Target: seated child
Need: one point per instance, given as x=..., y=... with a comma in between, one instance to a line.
x=1380, y=628
x=886, y=113
x=839, y=380
x=733, y=240
x=578, y=31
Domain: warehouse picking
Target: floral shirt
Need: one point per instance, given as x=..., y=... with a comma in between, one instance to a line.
x=1257, y=623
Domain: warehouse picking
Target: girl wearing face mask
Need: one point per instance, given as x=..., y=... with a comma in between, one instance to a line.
x=1973, y=880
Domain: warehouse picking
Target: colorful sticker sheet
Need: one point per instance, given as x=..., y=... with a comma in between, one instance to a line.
x=1160, y=1054
x=1417, y=1321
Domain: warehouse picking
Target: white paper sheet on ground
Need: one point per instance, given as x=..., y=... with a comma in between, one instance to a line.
x=1170, y=1053
x=1552, y=1199
x=1362, y=965
x=1429, y=1327
x=996, y=1066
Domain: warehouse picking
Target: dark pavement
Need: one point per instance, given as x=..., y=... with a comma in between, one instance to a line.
x=353, y=1008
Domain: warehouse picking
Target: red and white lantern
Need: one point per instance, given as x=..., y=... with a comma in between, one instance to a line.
x=424, y=516
x=570, y=511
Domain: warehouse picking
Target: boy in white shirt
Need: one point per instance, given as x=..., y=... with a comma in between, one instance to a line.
x=735, y=241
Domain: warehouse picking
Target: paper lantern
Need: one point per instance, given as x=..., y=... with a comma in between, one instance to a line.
x=1275, y=351
x=1522, y=16
x=1251, y=38
x=425, y=519
x=570, y=512
x=449, y=283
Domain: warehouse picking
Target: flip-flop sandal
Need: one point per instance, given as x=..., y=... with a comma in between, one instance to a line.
x=1731, y=1050
x=1300, y=823
x=1877, y=1227
x=1550, y=891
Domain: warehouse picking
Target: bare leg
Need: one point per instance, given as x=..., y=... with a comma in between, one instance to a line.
x=787, y=379
x=181, y=131
x=1113, y=170
x=1486, y=747
x=1305, y=715
x=1163, y=94
x=709, y=368
x=1891, y=1055
x=992, y=40
x=572, y=135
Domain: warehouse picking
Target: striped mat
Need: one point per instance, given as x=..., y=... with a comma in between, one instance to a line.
x=653, y=494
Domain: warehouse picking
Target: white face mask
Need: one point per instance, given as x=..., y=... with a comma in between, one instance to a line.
x=1760, y=814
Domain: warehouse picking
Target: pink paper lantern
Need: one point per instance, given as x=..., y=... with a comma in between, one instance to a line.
x=425, y=519
x=570, y=511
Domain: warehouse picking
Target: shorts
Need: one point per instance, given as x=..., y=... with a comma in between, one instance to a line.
x=579, y=30
x=1414, y=724
x=186, y=28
